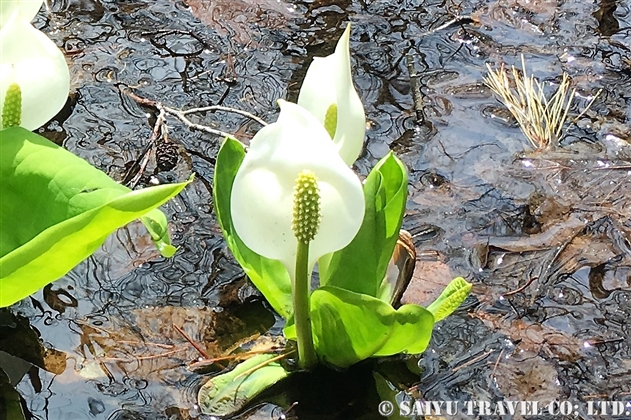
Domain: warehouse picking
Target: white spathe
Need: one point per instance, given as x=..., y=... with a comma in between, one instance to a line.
x=28, y=9
x=32, y=61
x=261, y=203
x=329, y=82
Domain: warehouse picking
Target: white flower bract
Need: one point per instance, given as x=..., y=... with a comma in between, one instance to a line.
x=261, y=203
x=28, y=9
x=329, y=82
x=33, y=62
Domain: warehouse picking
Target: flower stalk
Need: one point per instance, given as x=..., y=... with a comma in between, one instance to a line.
x=302, y=318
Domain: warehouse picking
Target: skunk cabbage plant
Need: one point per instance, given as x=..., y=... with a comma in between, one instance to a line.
x=285, y=158
x=263, y=190
x=292, y=200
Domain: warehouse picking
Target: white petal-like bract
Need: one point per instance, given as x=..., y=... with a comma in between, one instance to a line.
x=33, y=62
x=28, y=9
x=262, y=195
x=329, y=82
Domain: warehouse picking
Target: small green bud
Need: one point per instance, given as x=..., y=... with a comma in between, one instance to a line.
x=306, y=218
x=12, y=109
x=330, y=120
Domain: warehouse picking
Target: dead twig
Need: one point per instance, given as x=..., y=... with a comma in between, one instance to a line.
x=137, y=358
x=497, y=362
x=136, y=171
x=162, y=346
x=237, y=356
x=197, y=347
x=522, y=288
x=415, y=87
x=472, y=361
x=182, y=114
x=217, y=108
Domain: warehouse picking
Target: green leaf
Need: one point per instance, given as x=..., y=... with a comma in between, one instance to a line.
x=362, y=265
x=156, y=223
x=454, y=294
x=269, y=276
x=57, y=209
x=349, y=327
x=411, y=331
x=227, y=393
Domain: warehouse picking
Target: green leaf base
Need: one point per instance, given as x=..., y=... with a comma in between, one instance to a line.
x=230, y=392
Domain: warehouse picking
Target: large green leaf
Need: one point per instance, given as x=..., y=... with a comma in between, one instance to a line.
x=454, y=294
x=349, y=327
x=362, y=265
x=228, y=393
x=411, y=331
x=269, y=276
x=56, y=210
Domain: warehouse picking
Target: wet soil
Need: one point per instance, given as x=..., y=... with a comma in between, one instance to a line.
x=544, y=236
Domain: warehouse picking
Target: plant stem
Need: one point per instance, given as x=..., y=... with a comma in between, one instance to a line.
x=302, y=316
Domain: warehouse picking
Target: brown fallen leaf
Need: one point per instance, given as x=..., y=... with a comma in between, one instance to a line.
x=242, y=19
x=147, y=345
x=534, y=337
x=427, y=283
x=525, y=376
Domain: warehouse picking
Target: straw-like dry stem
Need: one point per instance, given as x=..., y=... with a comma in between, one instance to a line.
x=541, y=119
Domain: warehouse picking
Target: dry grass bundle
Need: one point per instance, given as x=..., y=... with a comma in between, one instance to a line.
x=541, y=119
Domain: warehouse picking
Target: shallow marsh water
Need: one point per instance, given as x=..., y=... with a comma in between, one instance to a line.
x=481, y=206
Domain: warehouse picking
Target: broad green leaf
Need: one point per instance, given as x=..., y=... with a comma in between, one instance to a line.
x=226, y=394
x=348, y=327
x=362, y=265
x=56, y=209
x=269, y=276
x=411, y=331
x=454, y=294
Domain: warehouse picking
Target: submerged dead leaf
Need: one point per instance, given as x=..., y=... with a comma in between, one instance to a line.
x=534, y=337
x=19, y=339
x=428, y=281
x=242, y=19
x=127, y=249
x=148, y=346
x=525, y=376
